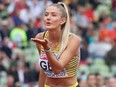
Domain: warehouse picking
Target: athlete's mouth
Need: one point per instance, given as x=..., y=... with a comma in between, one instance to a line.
x=48, y=23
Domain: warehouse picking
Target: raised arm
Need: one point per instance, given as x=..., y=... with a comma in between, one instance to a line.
x=72, y=50
x=42, y=76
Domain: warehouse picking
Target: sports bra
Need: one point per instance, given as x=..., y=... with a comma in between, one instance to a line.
x=68, y=71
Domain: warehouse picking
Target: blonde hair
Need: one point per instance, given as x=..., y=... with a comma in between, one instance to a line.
x=65, y=30
x=65, y=27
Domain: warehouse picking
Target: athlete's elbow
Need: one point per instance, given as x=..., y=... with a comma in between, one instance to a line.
x=58, y=70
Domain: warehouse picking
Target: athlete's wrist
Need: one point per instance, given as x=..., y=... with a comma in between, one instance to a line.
x=47, y=49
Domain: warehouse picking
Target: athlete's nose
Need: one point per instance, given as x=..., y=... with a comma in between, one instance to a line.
x=48, y=17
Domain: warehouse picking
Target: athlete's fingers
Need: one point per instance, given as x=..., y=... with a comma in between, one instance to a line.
x=38, y=40
x=46, y=40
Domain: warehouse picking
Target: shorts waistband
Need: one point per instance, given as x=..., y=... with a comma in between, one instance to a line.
x=74, y=85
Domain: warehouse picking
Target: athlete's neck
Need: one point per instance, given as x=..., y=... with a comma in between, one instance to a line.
x=54, y=36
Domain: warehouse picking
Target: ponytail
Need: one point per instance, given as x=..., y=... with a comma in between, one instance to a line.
x=65, y=30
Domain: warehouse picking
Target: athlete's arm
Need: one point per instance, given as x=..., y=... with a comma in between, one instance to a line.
x=70, y=52
x=42, y=78
x=39, y=36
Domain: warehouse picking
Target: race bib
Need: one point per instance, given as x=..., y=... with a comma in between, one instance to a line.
x=44, y=64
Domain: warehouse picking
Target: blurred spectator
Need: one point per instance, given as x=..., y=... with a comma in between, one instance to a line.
x=36, y=5
x=3, y=12
x=20, y=72
x=83, y=83
x=55, y=1
x=99, y=81
x=83, y=76
x=5, y=31
x=94, y=3
x=28, y=75
x=35, y=72
x=71, y=4
x=18, y=34
x=80, y=19
x=7, y=51
x=111, y=82
x=10, y=44
x=6, y=54
x=89, y=12
x=10, y=81
x=111, y=55
x=91, y=80
x=17, y=71
x=39, y=7
x=84, y=51
x=113, y=4
x=114, y=9
x=13, y=72
x=45, y=3
x=103, y=8
x=17, y=84
x=1, y=37
x=25, y=14
x=2, y=68
x=106, y=23
x=20, y=5
x=98, y=48
x=31, y=31
x=38, y=26
x=82, y=2
x=108, y=34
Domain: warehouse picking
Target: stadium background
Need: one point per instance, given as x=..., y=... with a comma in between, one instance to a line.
x=93, y=20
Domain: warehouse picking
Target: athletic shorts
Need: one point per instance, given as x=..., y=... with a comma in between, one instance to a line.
x=74, y=85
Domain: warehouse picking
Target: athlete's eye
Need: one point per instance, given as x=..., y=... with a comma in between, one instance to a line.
x=46, y=14
x=54, y=15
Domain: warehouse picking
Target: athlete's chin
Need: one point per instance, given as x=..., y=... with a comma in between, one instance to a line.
x=49, y=27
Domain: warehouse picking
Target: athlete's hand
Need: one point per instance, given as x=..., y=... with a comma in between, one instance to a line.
x=43, y=42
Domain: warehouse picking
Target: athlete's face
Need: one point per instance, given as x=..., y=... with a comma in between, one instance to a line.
x=53, y=18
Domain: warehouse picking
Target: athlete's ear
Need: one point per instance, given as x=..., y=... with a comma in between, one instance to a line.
x=63, y=20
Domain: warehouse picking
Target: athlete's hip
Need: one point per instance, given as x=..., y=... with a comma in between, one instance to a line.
x=74, y=85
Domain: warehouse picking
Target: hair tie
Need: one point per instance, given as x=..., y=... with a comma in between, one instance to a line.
x=60, y=3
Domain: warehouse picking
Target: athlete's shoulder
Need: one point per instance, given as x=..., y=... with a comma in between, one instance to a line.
x=75, y=37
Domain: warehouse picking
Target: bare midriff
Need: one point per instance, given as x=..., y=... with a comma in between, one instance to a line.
x=61, y=82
